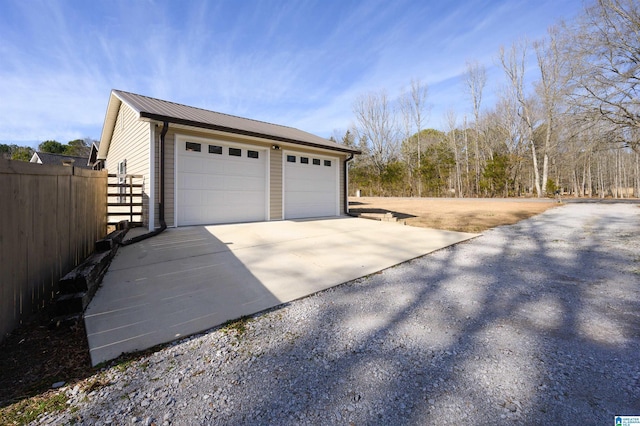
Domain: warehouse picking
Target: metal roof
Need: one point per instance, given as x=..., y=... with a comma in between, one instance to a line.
x=159, y=110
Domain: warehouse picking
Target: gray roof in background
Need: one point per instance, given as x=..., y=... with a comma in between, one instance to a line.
x=58, y=159
x=157, y=109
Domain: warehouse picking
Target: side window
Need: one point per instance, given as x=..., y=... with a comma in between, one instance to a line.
x=122, y=180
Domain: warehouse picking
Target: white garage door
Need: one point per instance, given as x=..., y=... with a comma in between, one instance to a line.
x=220, y=183
x=310, y=186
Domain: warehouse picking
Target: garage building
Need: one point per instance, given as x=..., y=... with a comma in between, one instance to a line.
x=218, y=168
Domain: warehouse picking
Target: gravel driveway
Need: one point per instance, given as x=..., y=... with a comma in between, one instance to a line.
x=535, y=323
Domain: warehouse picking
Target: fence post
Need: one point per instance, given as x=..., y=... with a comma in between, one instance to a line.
x=130, y=199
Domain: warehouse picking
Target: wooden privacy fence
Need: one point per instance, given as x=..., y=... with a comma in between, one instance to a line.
x=50, y=218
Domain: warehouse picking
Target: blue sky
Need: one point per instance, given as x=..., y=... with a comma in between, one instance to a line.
x=299, y=63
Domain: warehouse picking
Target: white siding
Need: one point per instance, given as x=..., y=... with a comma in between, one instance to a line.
x=130, y=141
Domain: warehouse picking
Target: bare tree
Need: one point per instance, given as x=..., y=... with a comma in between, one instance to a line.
x=574, y=132
x=409, y=154
x=414, y=111
x=550, y=90
x=605, y=51
x=475, y=79
x=636, y=184
x=465, y=138
x=452, y=138
x=376, y=126
x=513, y=64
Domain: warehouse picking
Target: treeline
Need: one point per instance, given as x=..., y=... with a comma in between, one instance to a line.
x=76, y=147
x=567, y=119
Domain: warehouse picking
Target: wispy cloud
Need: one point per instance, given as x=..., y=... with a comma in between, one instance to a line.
x=295, y=63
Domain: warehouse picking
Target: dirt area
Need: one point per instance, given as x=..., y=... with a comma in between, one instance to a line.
x=35, y=356
x=464, y=215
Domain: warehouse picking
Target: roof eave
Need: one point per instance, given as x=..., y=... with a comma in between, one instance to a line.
x=109, y=125
x=110, y=118
x=208, y=126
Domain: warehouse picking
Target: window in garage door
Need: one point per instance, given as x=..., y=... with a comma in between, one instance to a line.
x=219, y=183
x=309, y=190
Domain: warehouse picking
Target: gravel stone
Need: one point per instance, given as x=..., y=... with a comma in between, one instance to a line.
x=534, y=323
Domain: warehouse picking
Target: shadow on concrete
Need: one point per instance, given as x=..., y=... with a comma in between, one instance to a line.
x=174, y=285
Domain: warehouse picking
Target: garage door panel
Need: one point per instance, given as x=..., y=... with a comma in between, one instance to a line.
x=219, y=188
x=315, y=198
x=242, y=198
x=242, y=170
x=192, y=197
x=244, y=183
x=227, y=199
x=310, y=190
x=312, y=210
x=198, y=165
x=193, y=181
x=317, y=185
x=212, y=197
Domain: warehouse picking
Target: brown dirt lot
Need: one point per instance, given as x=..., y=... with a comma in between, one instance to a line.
x=454, y=214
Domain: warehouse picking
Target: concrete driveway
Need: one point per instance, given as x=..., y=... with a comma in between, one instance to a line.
x=187, y=280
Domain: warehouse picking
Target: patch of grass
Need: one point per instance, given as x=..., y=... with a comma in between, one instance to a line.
x=95, y=383
x=28, y=410
x=124, y=365
x=239, y=326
